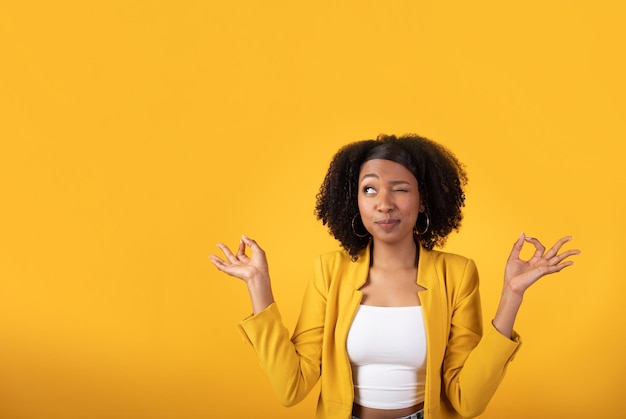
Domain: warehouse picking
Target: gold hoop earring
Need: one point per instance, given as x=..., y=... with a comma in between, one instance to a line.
x=419, y=233
x=354, y=230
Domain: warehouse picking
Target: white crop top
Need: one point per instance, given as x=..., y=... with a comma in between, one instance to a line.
x=387, y=351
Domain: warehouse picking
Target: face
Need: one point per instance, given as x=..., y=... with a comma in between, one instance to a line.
x=389, y=201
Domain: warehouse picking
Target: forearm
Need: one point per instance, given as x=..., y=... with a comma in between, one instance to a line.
x=292, y=370
x=475, y=361
x=506, y=313
x=470, y=387
x=261, y=295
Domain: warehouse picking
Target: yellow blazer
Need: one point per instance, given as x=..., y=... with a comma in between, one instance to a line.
x=463, y=366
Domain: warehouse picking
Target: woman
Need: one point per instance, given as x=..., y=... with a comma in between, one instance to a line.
x=392, y=327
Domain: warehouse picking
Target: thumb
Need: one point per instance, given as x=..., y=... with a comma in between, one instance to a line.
x=252, y=244
x=517, y=247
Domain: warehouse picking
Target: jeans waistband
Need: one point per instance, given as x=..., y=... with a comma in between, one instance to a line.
x=416, y=415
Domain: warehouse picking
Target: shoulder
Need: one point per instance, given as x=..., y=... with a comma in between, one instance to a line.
x=336, y=259
x=451, y=268
x=331, y=266
x=445, y=258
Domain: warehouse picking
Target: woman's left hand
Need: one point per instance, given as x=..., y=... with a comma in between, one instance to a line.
x=520, y=274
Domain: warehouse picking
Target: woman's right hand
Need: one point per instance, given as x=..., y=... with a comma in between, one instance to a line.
x=252, y=270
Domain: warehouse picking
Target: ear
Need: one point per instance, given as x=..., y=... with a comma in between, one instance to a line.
x=422, y=208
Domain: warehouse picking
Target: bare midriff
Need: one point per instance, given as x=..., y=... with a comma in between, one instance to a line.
x=371, y=413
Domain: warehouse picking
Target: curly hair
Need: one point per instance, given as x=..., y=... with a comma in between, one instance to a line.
x=441, y=179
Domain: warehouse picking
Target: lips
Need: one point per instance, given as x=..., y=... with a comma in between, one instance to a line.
x=387, y=224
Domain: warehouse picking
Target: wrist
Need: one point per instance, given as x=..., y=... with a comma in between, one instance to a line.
x=510, y=296
x=261, y=295
x=506, y=313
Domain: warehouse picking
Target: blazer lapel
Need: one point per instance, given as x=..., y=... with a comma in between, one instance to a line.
x=433, y=309
x=429, y=278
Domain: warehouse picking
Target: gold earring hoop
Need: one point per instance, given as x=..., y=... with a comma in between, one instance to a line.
x=354, y=229
x=419, y=233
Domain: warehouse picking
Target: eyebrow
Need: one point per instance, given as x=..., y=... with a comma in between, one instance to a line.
x=393, y=182
x=365, y=176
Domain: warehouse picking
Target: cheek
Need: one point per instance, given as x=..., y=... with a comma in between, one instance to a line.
x=365, y=211
x=411, y=203
x=414, y=209
x=361, y=203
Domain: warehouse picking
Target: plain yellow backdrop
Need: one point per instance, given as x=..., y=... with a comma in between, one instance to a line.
x=134, y=135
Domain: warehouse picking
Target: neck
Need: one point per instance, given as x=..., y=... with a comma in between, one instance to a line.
x=397, y=256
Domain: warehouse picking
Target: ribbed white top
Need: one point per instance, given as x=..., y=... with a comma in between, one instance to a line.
x=387, y=351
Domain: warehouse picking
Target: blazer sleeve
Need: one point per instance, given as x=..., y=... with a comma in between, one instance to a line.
x=292, y=365
x=474, y=364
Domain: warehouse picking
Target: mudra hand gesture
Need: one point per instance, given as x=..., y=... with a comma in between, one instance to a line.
x=520, y=274
x=253, y=270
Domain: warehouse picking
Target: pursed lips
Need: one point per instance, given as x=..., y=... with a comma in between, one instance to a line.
x=387, y=222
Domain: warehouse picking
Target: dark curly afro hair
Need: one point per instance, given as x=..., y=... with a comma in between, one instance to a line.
x=441, y=179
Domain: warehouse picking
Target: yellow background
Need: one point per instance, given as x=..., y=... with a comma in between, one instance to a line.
x=134, y=135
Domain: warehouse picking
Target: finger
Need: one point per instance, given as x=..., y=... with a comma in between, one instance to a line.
x=241, y=251
x=252, y=244
x=551, y=269
x=228, y=268
x=555, y=260
x=540, y=249
x=241, y=248
x=229, y=255
x=557, y=246
x=517, y=247
x=219, y=263
x=563, y=265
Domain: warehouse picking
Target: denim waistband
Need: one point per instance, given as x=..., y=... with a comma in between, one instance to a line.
x=416, y=415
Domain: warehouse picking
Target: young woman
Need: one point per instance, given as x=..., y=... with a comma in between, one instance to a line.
x=392, y=327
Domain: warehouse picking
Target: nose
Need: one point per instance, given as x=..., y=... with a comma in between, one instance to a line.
x=385, y=201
